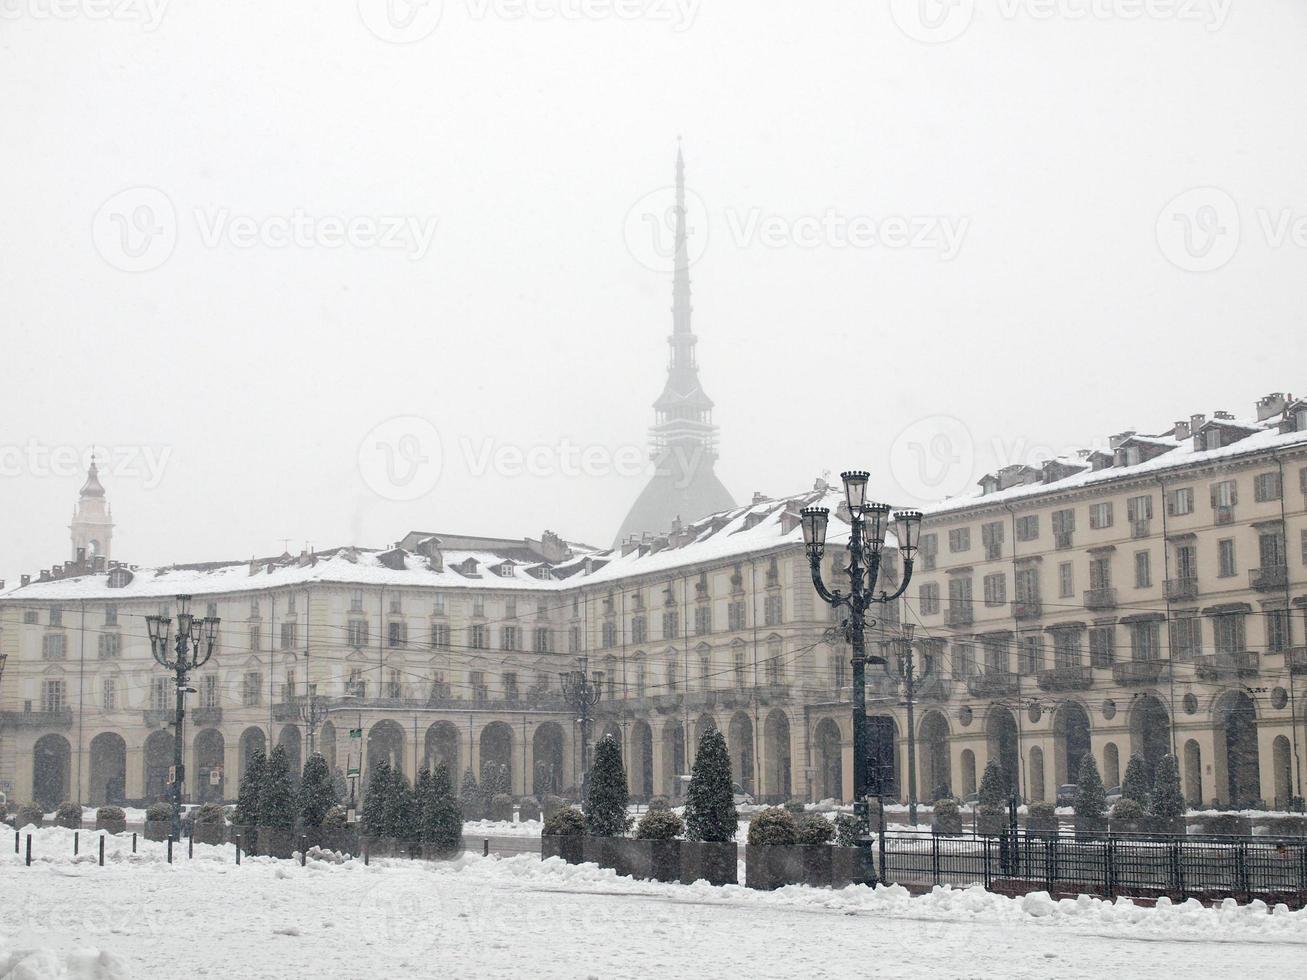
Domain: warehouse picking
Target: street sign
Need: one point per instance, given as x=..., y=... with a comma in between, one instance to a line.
x=356, y=733
x=172, y=775
x=215, y=777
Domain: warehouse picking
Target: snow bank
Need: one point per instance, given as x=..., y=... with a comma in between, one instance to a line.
x=47, y=964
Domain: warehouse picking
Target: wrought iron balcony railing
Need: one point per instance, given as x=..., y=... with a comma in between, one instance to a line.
x=1130, y=673
x=992, y=684
x=1222, y=666
x=1066, y=679
x=960, y=615
x=1100, y=598
x=55, y=718
x=1271, y=578
x=1182, y=589
x=1027, y=608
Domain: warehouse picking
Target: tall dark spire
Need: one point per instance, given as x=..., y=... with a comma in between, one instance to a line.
x=683, y=438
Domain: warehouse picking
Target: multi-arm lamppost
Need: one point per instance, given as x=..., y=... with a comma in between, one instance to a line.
x=191, y=647
x=583, y=694
x=868, y=524
x=905, y=668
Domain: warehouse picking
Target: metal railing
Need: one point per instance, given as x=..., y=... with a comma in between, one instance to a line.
x=1133, y=672
x=992, y=684
x=1272, y=578
x=1222, y=666
x=1066, y=679
x=1180, y=589
x=1104, y=598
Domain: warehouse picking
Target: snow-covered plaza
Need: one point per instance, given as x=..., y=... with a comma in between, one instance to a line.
x=139, y=917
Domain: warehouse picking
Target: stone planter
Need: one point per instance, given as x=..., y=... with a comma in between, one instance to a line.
x=439, y=852
x=991, y=824
x=611, y=852
x=158, y=829
x=1223, y=825
x=1090, y=826
x=770, y=866
x=818, y=861
x=852, y=866
x=244, y=837
x=1042, y=826
x=277, y=842
x=947, y=824
x=570, y=849
x=69, y=823
x=657, y=860
x=1286, y=827
x=552, y=805
x=714, y=862
x=1128, y=826
x=209, y=833
x=111, y=826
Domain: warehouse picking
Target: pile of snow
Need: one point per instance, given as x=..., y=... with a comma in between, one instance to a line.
x=47, y=964
x=502, y=828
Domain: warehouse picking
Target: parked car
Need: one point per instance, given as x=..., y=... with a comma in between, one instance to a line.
x=741, y=797
x=1066, y=794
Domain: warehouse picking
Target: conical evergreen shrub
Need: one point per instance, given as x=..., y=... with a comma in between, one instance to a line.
x=277, y=799
x=993, y=787
x=247, y=800
x=1167, y=801
x=374, y=803
x=710, y=801
x=1091, y=797
x=605, y=807
x=443, y=820
x=317, y=793
x=1135, y=785
x=423, y=799
x=470, y=798
x=399, y=818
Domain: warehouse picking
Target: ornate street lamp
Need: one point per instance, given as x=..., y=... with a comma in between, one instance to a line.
x=905, y=669
x=192, y=646
x=868, y=525
x=582, y=694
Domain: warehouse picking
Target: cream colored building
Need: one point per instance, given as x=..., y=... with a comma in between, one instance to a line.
x=1149, y=599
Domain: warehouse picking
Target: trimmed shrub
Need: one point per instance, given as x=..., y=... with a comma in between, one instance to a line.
x=337, y=818
x=469, y=796
x=815, y=829
x=848, y=830
x=374, y=803
x=1041, y=816
x=110, y=814
x=528, y=809
x=276, y=797
x=1167, y=802
x=159, y=813
x=399, y=819
x=567, y=822
x=1226, y=825
x=947, y=818
x=795, y=807
x=29, y=815
x=1091, y=798
x=710, y=802
x=68, y=815
x=247, y=800
x=993, y=788
x=552, y=804
x=660, y=825
x=1135, y=785
x=659, y=803
x=317, y=792
x=605, y=807
x=772, y=826
x=442, y=820
x=1127, y=810
x=210, y=815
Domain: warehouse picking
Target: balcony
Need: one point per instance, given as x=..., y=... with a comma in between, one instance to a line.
x=1066, y=679
x=1100, y=598
x=1027, y=609
x=158, y=717
x=1272, y=578
x=1182, y=589
x=933, y=689
x=1135, y=673
x=207, y=716
x=992, y=684
x=1062, y=540
x=960, y=615
x=1224, y=666
x=56, y=718
x=1297, y=660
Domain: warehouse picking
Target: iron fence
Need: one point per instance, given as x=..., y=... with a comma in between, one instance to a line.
x=1140, y=866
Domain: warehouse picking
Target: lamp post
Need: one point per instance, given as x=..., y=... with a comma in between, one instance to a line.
x=583, y=694
x=906, y=667
x=192, y=646
x=868, y=523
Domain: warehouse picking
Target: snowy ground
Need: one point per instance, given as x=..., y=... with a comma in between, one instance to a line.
x=139, y=917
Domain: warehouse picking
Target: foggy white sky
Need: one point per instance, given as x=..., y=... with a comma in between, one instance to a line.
x=532, y=320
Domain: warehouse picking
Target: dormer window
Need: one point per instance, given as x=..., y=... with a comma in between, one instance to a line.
x=506, y=570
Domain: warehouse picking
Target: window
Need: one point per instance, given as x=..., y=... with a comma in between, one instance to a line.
x=478, y=606
x=1100, y=515
x=1225, y=558
x=254, y=609
x=1066, y=649
x=671, y=624
x=1224, y=497
x=1230, y=633
x=608, y=634
x=30, y=617
x=52, y=646
x=639, y=630
x=1186, y=637
x=440, y=636
x=109, y=693
x=508, y=638
x=476, y=680
x=1186, y=562
x=930, y=599
x=56, y=616
x=53, y=695
x=438, y=604
x=1271, y=550
x=1266, y=487
x=251, y=688
x=209, y=691
x=110, y=644
x=1100, y=573
x=996, y=654
x=964, y=660
x=641, y=678
x=288, y=687
x=995, y=589
x=1032, y=653
x=772, y=609
x=1064, y=525
x=476, y=637
x=358, y=633
x=544, y=640
x=1028, y=527
x=162, y=692
x=356, y=601
x=1066, y=580
x=1180, y=501
x=839, y=670
x=397, y=634
x=510, y=686
x=705, y=670
x=110, y=615
x=256, y=642
x=394, y=685
x=1144, y=642
x=735, y=615
x=1143, y=569
x=1027, y=586
x=959, y=599
x=396, y=605
x=1139, y=511
x=288, y=636
x=929, y=551
x=959, y=539
x=1277, y=630
x=574, y=639
x=992, y=536
x=356, y=686
x=702, y=620
x=1102, y=646
x=775, y=668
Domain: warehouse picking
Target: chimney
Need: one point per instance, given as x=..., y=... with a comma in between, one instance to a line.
x=26, y=580
x=1181, y=430
x=1116, y=440
x=1272, y=405
x=759, y=497
x=1223, y=416
x=1196, y=422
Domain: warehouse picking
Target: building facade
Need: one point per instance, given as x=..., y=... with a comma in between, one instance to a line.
x=1151, y=600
